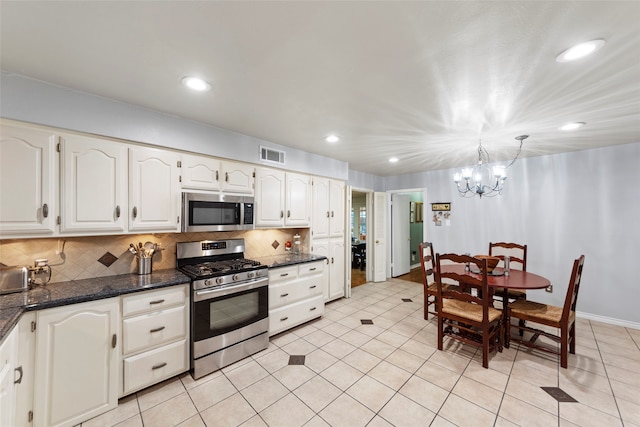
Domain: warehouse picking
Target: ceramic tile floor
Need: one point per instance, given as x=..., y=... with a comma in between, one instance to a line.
x=391, y=374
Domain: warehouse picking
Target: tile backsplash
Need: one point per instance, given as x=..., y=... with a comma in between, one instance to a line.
x=73, y=258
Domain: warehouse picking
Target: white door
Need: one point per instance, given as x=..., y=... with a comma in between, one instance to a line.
x=400, y=235
x=76, y=362
x=94, y=185
x=298, y=200
x=379, y=238
x=269, y=198
x=28, y=181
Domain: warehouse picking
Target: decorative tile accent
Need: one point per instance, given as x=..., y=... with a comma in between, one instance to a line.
x=296, y=359
x=275, y=244
x=107, y=259
x=558, y=394
x=366, y=321
x=407, y=300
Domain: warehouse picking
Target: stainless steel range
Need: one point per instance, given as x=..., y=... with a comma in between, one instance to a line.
x=229, y=303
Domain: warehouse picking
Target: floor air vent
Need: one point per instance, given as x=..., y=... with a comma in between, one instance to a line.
x=271, y=155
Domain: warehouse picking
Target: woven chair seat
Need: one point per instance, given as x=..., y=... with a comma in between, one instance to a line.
x=433, y=288
x=535, y=311
x=467, y=310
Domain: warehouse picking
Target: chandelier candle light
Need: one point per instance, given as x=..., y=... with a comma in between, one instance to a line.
x=482, y=181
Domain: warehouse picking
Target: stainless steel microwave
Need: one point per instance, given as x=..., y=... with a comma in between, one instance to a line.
x=203, y=212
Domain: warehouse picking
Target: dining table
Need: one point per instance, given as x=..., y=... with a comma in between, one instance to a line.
x=515, y=279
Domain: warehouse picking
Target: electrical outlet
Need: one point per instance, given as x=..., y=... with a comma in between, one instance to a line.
x=549, y=288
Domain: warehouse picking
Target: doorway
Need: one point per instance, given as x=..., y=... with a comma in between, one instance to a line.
x=407, y=231
x=359, y=222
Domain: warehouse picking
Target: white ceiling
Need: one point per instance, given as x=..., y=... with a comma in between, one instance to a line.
x=422, y=81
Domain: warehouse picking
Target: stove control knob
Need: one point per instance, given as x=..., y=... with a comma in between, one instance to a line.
x=250, y=275
x=235, y=277
x=207, y=282
x=219, y=280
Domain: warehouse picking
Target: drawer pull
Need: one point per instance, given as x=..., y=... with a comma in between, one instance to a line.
x=313, y=269
x=284, y=318
x=156, y=329
x=159, y=365
x=284, y=274
x=312, y=308
x=158, y=301
x=312, y=287
x=18, y=370
x=284, y=295
x=114, y=341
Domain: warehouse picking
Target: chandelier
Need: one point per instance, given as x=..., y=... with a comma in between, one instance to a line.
x=482, y=181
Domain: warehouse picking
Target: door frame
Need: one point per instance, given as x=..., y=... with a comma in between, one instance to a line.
x=368, y=260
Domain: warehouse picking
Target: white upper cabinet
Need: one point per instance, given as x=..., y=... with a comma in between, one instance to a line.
x=200, y=173
x=328, y=208
x=94, y=185
x=298, y=200
x=28, y=180
x=237, y=177
x=153, y=190
x=270, y=198
x=211, y=174
x=282, y=199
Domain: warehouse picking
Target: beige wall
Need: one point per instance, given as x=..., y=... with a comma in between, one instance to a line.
x=73, y=258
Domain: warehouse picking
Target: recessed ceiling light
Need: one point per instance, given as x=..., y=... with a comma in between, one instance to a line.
x=580, y=50
x=332, y=139
x=196, y=83
x=393, y=160
x=572, y=126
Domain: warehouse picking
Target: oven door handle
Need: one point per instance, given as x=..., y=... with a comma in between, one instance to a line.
x=206, y=294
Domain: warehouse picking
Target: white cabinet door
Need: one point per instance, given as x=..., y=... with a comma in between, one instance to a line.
x=28, y=181
x=321, y=213
x=237, y=177
x=269, y=198
x=200, y=172
x=321, y=248
x=76, y=362
x=337, y=212
x=153, y=190
x=8, y=359
x=298, y=199
x=94, y=185
x=26, y=370
x=336, y=268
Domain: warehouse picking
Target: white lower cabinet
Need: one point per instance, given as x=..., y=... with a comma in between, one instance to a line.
x=334, y=250
x=8, y=362
x=77, y=355
x=155, y=337
x=295, y=295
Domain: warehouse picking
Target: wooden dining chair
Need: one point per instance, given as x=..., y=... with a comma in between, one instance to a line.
x=562, y=318
x=427, y=263
x=467, y=317
x=518, y=259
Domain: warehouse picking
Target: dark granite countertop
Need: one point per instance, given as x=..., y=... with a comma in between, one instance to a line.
x=283, y=260
x=77, y=291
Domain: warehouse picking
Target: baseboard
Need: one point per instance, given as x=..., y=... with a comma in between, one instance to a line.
x=609, y=320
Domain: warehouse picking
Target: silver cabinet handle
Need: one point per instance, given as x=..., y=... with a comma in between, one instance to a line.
x=226, y=176
x=284, y=318
x=312, y=287
x=288, y=214
x=331, y=214
x=217, y=176
x=313, y=269
x=118, y=211
x=331, y=260
x=159, y=365
x=284, y=274
x=312, y=308
x=158, y=301
x=281, y=214
x=135, y=212
x=156, y=329
x=114, y=341
x=45, y=210
x=18, y=370
x=327, y=214
x=284, y=295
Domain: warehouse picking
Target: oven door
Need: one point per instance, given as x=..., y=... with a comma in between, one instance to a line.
x=221, y=317
x=215, y=212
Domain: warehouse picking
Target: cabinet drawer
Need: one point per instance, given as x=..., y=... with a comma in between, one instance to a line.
x=153, y=300
x=283, y=273
x=154, y=366
x=286, y=293
x=149, y=330
x=311, y=268
x=287, y=317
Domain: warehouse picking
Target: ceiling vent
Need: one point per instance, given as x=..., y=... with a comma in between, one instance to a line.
x=271, y=155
